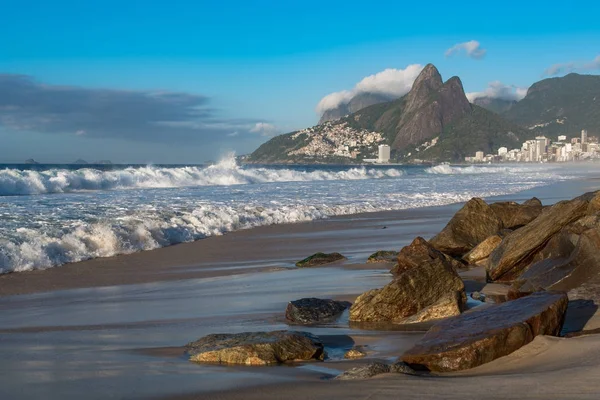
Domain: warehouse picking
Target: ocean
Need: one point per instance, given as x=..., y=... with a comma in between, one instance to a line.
x=56, y=214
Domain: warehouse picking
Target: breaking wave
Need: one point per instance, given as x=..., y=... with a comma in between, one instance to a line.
x=227, y=172
x=445, y=169
x=32, y=248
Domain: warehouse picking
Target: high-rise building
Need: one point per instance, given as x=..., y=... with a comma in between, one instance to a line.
x=502, y=151
x=479, y=156
x=384, y=153
x=584, y=137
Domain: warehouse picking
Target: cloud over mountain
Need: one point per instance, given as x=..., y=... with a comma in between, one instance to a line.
x=471, y=49
x=498, y=90
x=389, y=82
x=153, y=116
x=572, y=66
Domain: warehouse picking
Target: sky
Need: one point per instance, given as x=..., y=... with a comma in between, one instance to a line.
x=189, y=81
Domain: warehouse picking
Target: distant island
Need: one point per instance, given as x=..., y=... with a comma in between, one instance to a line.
x=80, y=162
x=435, y=122
x=31, y=161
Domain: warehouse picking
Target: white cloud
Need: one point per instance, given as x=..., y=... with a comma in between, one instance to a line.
x=265, y=129
x=498, y=90
x=233, y=134
x=80, y=132
x=391, y=82
x=471, y=48
x=565, y=68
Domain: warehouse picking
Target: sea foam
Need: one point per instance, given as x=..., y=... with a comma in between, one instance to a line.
x=25, y=182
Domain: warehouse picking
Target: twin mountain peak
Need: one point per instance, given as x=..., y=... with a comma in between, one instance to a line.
x=436, y=122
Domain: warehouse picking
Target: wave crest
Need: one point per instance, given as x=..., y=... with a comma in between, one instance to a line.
x=19, y=182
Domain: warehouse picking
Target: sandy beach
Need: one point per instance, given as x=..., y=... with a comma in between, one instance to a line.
x=113, y=327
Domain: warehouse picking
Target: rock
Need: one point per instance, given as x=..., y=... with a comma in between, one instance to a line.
x=483, y=250
x=471, y=225
x=447, y=306
x=420, y=252
x=356, y=352
x=364, y=372
x=517, y=251
x=313, y=310
x=256, y=348
x=478, y=337
x=320, y=259
x=514, y=215
x=565, y=273
x=402, y=368
x=478, y=296
x=410, y=293
x=383, y=256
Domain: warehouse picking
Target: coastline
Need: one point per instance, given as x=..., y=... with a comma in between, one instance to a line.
x=264, y=248
x=97, y=326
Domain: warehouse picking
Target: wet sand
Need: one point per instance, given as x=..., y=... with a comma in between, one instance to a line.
x=114, y=327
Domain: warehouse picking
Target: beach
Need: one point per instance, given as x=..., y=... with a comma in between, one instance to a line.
x=114, y=327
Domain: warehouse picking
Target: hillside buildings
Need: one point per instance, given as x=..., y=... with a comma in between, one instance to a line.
x=542, y=149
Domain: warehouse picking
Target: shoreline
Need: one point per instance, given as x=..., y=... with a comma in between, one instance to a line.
x=210, y=257
x=97, y=326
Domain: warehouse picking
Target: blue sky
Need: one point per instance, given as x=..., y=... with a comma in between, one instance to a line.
x=244, y=63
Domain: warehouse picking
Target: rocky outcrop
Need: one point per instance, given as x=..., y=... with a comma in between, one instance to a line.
x=471, y=225
x=412, y=292
x=519, y=249
x=478, y=337
x=313, y=311
x=383, y=256
x=256, y=348
x=447, y=306
x=420, y=252
x=514, y=215
x=565, y=273
x=483, y=250
x=320, y=259
x=429, y=106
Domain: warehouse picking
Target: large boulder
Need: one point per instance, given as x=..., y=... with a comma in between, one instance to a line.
x=256, y=348
x=565, y=273
x=313, y=311
x=483, y=250
x=478, y=337
x=514, y=215
x=471, y=225
x=420, y=252
x=319, y=259
x=412, y=292
x=518, y=249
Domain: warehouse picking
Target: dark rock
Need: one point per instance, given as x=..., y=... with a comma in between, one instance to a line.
x=429, y=284
x=364, y=372
x=383, y=256
x=481, y=336
x=313, y=310
x=420, y=252
x=565, y=273
x=402, y=368
x=256, y=348
x=320, y=259
x=514, y=215
x=483, y=250
x=518, y=250
x=471, y=225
